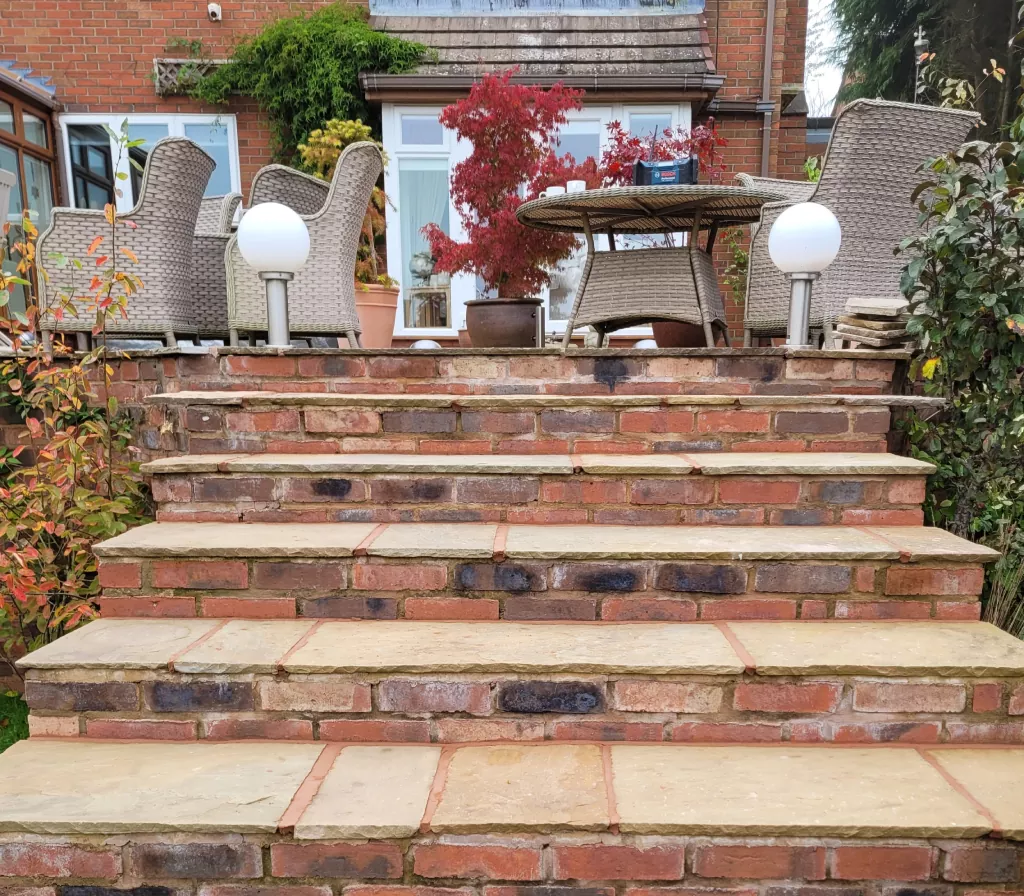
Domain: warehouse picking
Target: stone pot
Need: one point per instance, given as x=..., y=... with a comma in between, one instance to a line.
x=376, y=306
x=676, y=334
x=503, y=323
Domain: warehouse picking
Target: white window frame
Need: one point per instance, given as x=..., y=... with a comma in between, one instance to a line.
x=175, y=128
x=463, y=286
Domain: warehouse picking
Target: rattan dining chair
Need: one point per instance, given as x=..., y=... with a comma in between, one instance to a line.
x=869, y=173
x=321, y=297
x=209, y=278
x=165, y=215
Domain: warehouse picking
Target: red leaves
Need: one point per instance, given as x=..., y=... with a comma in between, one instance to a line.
x=624, y=150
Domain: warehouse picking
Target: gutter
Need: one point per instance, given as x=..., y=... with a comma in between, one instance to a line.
x=766, y=88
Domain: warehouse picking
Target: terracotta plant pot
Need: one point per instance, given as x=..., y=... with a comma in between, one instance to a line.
x=377, y=306
x=464, y=340
x=676, y=334
x=503, y=323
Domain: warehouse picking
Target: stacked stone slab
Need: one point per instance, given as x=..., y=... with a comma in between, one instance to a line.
x=400, y=611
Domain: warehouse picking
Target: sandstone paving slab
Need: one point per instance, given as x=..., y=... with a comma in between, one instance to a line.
x=120, y=644
x=436, y=541
x=524, y=788
x=489, y=464
x=584, y=542
x=995, y=778
x=189, y=396
x=469, y=647
x=670, y=464
x=953, y=649
x=787, y=792
x=67, y=787
x=189, y=463
x=244, y=646
x=373, y=792
x=731, y=463
x=926, y=543
x=195, y=540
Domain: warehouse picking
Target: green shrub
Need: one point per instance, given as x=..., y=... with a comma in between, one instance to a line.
x=13, y=719
x=304, y=71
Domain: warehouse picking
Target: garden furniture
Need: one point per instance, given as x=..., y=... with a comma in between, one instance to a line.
x=209, y=279
x=871, y=168
x=321, y=297
x=623, y=288
x=165, y=216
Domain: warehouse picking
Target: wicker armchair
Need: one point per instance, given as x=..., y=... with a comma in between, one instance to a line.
x=177, y=172
x=209, y=279
x=869, y=172
x=322, y=297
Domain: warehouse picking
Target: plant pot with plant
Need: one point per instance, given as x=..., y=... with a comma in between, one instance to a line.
x=512, y=128
x=376, y=292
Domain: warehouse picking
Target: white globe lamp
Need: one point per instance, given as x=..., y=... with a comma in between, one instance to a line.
x=425, y=344
x=274, y=241
x=804, y=240
x=646, y=344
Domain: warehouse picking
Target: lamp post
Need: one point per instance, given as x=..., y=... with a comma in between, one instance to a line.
x=274, y=240
x=804, y=240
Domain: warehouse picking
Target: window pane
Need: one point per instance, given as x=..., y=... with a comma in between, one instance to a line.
x=214, y=139
x=422, y=130
x=644, y=124
x=92, y=168
x=6, y=117
x=35, y=129
x=39, y=185
x=422, y=200
x=9, y=162
x=581, y=140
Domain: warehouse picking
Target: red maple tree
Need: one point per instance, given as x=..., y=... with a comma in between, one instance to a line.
x=511, y=128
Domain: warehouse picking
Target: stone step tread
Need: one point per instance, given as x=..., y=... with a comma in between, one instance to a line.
x=401, y=401
x=553, y=542
x=241, y=646
x=335, y=791
x=726, y=463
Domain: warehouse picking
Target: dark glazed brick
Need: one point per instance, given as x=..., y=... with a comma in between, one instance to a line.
x=702, y=578
x=512, y=577
x=406, y=490
x=671, y=447
x=349, y=608
x=817, y=422
x=192, y=696
x=599, y=578
x=576, y=697
x=111, y=891
x=419, y=421
x=577, y=421
x=795, y=578
x=336, y=489
x=81, y=696
x=803, y=517
x=195, y=860
x=233, y=488
x=610, y=371
x=204, y=420
x=497, y=490
x=558, y=608
x=872, y=422
x=987, y=865
x=763, y=369
x=842, y=492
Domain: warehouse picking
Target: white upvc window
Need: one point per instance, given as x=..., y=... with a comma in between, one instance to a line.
x=422, y=155
x=91, y=155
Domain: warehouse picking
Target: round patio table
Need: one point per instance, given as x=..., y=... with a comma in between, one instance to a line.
x=629, y=287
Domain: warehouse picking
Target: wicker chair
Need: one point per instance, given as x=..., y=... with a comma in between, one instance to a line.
x=209, y=279
x=177, y=172
x=321, y=298
x=870, y=170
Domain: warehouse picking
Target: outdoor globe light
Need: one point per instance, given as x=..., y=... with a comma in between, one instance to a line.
x=804, y=240
x=425, y=344
x=274, y=240
x=646, y=343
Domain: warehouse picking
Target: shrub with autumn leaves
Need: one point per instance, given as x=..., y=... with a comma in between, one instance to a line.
x=513, y=129
x=79, y=484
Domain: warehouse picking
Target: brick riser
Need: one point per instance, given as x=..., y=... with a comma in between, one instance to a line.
x=528, y=430
x=510, y=865
x=538, y=590
x=433, y=708
x=628, y=498
x=489, y=373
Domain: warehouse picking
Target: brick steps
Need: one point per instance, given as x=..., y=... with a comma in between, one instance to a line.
x=868, y=682
x=726, y=820
x=722, y=488
x=479, y=570
x=322, y=422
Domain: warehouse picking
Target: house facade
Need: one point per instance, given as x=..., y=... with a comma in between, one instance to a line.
x=71, y=68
